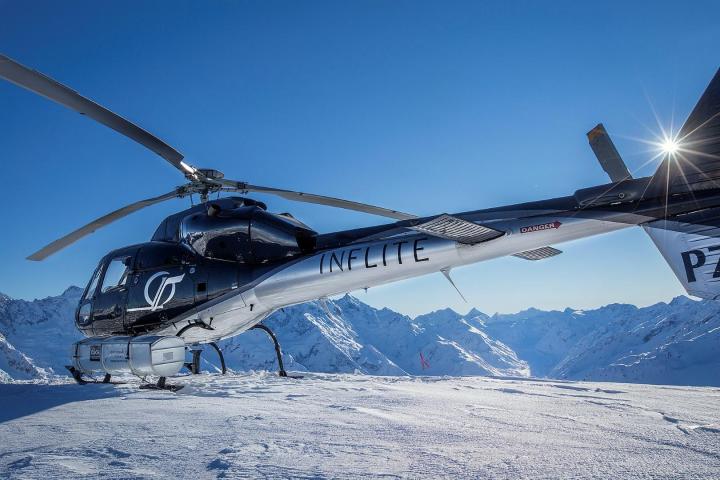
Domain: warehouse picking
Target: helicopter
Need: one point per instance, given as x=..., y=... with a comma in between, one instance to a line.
x=219, y=268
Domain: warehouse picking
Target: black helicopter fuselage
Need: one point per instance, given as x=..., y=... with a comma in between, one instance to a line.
x=194, y=256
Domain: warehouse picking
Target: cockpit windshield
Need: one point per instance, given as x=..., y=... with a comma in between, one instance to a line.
x=92, y=286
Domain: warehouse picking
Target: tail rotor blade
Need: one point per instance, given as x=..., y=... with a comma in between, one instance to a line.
x=606, y=153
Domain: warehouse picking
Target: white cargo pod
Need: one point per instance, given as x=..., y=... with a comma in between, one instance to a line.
x=86, y=355
x=144, y=355
x=154, y=355
x=115, y=355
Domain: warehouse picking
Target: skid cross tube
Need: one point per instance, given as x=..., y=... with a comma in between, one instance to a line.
x=76, y=374
x=193, y=325
x=220, y=354
x=262, y=327
x=194, y=365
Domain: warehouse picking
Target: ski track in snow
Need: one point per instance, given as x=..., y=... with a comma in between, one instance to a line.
x=355, y=426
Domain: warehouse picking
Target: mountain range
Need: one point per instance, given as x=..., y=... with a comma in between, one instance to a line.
x=676, y=343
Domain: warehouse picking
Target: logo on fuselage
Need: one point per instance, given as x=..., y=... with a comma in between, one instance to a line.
x=373, y=255
x=158, y=301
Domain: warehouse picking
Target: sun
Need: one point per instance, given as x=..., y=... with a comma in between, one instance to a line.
x=670, y=146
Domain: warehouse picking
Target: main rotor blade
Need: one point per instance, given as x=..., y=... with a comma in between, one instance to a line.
x=45, y=86
x=319, y=200
x=81, y=232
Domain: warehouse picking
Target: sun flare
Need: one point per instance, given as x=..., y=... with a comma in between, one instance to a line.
x=670, y=146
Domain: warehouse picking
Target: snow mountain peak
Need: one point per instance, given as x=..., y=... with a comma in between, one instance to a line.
x=72, y=292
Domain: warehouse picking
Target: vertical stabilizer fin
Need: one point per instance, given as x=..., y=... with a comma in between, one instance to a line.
x=693, y=253
x=606, y=153
x=696, y=165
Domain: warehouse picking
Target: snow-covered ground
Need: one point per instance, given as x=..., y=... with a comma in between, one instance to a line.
x=351, y=426
x=385, y=422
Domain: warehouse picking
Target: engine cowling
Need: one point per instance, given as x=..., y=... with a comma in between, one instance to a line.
x=246, y=234
x=612, y=193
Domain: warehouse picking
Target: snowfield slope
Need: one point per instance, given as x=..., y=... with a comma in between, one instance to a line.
x=359, y=426
x=35, y=337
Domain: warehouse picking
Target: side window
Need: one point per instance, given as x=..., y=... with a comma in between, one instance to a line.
x=161, y=256
x=116, y=273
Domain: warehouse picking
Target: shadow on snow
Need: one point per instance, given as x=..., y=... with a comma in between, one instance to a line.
x=22, y=399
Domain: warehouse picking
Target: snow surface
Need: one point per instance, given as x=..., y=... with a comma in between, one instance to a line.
x=354, y=426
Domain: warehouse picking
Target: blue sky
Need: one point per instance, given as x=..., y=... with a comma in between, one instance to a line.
x=425, y=107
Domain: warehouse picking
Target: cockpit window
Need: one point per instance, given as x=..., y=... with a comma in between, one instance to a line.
x=92, y=286
x=116, y=273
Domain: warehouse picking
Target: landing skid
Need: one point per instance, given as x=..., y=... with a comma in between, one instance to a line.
x=193, y=366
x=77, y=376
x=161, y=385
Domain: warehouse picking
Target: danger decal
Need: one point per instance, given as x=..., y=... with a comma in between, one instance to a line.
x=540, y=227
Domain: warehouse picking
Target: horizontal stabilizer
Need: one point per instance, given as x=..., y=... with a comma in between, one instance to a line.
x=539, y=253
x=457, y=229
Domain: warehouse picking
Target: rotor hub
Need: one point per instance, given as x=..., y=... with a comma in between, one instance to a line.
x=211, y=173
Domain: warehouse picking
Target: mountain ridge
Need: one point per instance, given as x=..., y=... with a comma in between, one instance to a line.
x=674, y=343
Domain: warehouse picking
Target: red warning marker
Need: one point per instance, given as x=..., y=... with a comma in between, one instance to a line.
x=424, y=364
